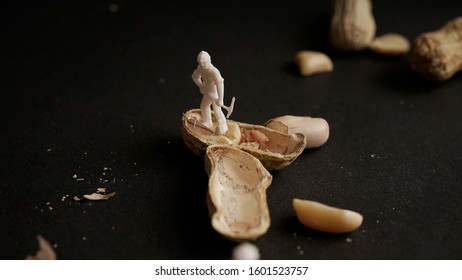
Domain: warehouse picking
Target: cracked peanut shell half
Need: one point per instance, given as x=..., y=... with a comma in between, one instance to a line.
x=237, y=193
x=273, y=148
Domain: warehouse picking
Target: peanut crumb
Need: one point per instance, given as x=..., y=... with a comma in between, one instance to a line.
x=98, y=196
x=45, y=251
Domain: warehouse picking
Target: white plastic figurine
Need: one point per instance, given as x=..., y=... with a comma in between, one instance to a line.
x=210, y=83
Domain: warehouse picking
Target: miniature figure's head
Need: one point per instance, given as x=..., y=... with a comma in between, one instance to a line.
x=204, y=60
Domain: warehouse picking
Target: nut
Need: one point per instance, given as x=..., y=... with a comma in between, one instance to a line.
x=45, y=251
x=390, y=44
x=311, y=62
x=326, y=218
x=316, y=130
x=237, y=193
x=437, y=55
x=352, y=25
x=246, y=251
x=273, y=148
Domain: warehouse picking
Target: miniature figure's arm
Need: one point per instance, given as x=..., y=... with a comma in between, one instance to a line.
x=221, y=89
x=197, y=77
x=219, y=81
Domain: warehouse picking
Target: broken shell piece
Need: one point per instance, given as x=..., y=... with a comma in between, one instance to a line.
x=273, y=148
x=326, y=218
x=316, y=130
x=101, y=190
x=311, y=62
x=237, y=193
x=390, y=44
x=98, y=196
x=198, y=137
x=45, y=251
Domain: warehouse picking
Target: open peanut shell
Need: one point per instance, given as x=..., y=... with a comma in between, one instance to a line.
x=237, y=193
x=198, y=138
x=273, y=148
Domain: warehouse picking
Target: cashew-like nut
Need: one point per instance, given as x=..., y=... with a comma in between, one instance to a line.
x=390, y=44
x=311, y=62
x=326, y=218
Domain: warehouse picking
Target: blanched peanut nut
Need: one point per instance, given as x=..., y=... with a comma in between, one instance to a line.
x=311, y=62
x=316, y=130
x=326, y=218
x=45, y=251
x=390, y=44
x=245, y=251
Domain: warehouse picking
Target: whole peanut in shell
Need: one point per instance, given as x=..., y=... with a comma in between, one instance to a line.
x=352, y=26
x=437, y=55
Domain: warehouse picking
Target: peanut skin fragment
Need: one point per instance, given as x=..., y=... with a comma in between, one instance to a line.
x=254, y=136
x=326, y=218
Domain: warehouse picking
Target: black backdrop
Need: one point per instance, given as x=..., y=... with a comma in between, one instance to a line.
x=98, y=91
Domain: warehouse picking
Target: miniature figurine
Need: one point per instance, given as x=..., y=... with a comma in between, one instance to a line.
x=210, y=83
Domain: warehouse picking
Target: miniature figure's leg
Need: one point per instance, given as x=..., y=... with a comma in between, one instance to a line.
x=221, y=119
x=205, y=111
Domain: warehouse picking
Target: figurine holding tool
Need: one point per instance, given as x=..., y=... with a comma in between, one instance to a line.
x=211, y=85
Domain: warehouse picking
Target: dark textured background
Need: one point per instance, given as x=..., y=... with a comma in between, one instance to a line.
x=84, y=89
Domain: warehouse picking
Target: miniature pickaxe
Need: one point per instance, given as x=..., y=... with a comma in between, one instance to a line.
x=229, y=108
